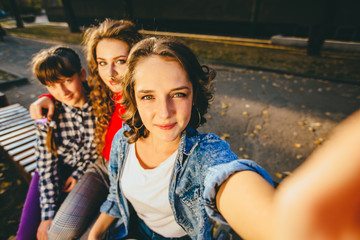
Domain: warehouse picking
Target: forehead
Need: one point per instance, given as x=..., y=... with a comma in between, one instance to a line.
x=160, y=72
x=60, y=78
x=111, y=46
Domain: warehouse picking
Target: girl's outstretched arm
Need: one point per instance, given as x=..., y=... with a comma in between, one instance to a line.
x=321, y=199
x=245, y=201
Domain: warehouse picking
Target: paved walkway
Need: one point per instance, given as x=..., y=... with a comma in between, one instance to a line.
x=274, y=119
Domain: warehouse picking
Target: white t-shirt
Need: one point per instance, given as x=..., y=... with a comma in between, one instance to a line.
x=148, y=191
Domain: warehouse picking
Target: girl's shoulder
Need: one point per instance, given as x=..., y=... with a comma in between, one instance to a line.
x=119, y=136
x=207, y=143
x=211, y=139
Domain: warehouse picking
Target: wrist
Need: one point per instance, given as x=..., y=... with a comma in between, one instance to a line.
x=47, y=95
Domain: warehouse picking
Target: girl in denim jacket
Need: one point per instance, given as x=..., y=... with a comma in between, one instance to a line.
x=167, y=180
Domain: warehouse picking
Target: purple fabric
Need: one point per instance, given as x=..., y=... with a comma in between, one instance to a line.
x=30, y=217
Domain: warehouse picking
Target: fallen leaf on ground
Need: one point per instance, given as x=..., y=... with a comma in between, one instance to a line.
x=317, y=124
x=225, y=136
x=278, y=175
x=297, y=145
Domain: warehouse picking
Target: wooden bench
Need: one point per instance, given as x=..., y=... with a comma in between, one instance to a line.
x=17, y=136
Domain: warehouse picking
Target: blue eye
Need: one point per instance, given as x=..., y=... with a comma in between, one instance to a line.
x=102, y=63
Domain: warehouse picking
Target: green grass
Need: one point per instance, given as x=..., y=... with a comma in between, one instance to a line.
x=333, y=65
x=53, y=33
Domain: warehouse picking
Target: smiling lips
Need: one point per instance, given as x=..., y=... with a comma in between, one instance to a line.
x=68, y=98
x=112, y=83
x=166, y=126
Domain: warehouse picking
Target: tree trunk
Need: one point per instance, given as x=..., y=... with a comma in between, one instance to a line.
x=318, y=32
x=70, y=16
x=15, y=10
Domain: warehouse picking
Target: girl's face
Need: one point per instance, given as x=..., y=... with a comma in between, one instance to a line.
x=111, y=56
x=69, y=90
x=164, y=97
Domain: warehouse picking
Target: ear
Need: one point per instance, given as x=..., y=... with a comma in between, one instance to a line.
x=83, y=75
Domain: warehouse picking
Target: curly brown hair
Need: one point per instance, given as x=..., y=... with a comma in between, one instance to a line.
x=101, y=96
x=200, y=76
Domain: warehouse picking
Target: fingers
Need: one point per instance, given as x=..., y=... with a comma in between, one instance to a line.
x=51, y=110
x=39, y=108
x=42, y=229
x=69, y=184
x=35, y=111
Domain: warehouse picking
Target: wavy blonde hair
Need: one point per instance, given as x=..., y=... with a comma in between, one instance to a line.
x=101, y=96
x=200, y=76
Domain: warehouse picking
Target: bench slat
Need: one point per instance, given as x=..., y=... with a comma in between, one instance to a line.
x=20, y=143
x=21, y=149
x=16, y=127
x=16, y=133
x=25, y=154
x=15, y=120
x=7, y=108
x=18, y=138
x=31, y=167
x=14, y=112
x=28, y=160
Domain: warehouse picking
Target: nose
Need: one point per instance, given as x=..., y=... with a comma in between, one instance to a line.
x=111, y=70
x=165, y=108
x=64, y=90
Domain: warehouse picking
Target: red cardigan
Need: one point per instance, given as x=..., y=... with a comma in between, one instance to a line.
x=114, y=125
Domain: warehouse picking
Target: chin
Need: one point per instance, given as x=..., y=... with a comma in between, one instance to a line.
x=115, y=89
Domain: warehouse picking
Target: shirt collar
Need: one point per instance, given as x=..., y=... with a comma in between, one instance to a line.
x=84, y=110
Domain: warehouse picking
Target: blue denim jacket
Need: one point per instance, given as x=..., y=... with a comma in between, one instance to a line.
x=203, y=163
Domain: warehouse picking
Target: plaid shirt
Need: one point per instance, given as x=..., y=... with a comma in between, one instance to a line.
x=76, y=150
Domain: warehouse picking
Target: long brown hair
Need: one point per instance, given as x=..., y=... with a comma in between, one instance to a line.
x=50, y=65
x=101, y=96
x=200, y=77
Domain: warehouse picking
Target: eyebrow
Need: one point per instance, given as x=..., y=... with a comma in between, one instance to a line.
x=172, y=90
x=120, y=56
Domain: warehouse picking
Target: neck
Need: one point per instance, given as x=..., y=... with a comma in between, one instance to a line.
x=151, y=153
x=81, y=102
x=162, y=146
